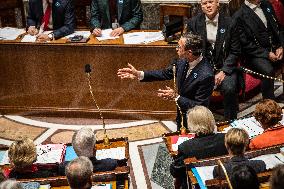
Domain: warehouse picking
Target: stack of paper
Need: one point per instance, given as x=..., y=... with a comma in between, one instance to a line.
x=271, y=160
x=142, y=37
x=9, y=33
x=113, y=153
x=106, y=35
x=32, y=38
x=50, y=153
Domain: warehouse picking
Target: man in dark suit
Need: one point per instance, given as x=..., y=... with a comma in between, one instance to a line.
x=194, y=76
x=56, y=15
x=261, y=40
x=236, y=141
x=120, y=15
x=221, y=48
x=84, y=142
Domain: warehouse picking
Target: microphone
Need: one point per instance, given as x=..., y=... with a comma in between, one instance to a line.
x=88, y=71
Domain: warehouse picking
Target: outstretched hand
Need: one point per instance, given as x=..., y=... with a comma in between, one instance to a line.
x=167, y=94
x=128, y=73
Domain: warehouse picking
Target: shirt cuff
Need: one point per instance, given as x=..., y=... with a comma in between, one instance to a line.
x=176, y=99
x=141, y=76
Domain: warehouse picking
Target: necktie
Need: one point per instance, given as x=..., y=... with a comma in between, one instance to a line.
x=214, y=23
x=113, y=10
x=46, y=16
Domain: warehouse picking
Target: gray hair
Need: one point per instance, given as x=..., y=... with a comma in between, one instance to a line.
x=201, y=121
x=84, y=141
x=79, y=172
x=10, y=184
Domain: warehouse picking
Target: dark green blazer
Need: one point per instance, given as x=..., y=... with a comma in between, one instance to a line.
x=130, y=14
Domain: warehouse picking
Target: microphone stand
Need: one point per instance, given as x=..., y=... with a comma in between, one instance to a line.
x=106, y=139
x=182, y=129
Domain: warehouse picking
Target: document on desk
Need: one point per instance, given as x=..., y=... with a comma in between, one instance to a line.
x=142, y=37
x=271, y=160
x=202, y=174
x=50, y=153
x=9, y=33
x=114, y=153
x=102, y=186
x=106, y=35
x=32, y=38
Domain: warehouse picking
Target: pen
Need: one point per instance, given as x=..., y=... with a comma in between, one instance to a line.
x=279, y=158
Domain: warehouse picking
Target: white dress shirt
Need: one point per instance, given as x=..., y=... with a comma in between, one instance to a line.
x=211, y=29
x=258, y=11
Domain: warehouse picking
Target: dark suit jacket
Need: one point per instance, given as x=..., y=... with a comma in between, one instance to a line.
x=200, y=147
x=130, y=14
x=254, y=36
x=32, y=172
x=63, y=16
x=194, y=90
x=99, y=165
x=227, y=46
x=258, y=165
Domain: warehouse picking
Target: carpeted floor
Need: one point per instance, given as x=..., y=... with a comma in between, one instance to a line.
x=149, y=158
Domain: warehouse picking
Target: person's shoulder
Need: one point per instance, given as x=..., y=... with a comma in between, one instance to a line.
x=206, y=68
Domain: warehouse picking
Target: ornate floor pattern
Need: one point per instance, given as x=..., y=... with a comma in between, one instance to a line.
x=149, y=159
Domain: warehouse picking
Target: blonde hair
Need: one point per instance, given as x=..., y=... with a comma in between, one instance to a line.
x=236, y=140
x=201, y=121
x=22, y=153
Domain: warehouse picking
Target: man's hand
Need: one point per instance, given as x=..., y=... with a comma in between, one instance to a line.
x=219, y=77
x=117, y=32
x=97, y=32
x=128, y=73
x=32, y=30
x=42, y=38
x=272, y=57
x=279, y=53
x=167, y=94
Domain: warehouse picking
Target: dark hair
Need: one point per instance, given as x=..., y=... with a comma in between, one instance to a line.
x=277, y=178
x=193, y=43
x=244, y=177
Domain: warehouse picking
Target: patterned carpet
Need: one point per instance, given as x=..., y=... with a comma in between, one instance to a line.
x=149, y=158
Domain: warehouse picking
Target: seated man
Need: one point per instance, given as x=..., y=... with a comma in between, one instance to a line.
x=244, y=177
x=56, y=15
x=121, y=16
x=236, y=141
x=194, y=77
x=207, y=142
x=79, y=173
x=269, y=114
x=277, y=178
x=84, y=143
x=22, y=154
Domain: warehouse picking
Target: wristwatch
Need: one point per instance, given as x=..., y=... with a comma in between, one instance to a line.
x=50, y=36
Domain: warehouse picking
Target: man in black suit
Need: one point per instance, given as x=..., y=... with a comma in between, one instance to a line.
x=261, y=40
x=236, y=141
x=195, y=79
x=56, y=15
x=84, y=142
x=221, y=48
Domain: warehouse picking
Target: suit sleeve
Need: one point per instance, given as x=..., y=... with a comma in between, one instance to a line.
x=203, y=93
x=158, y=75
x=137, y=18
x=31, y=18
x=95, y=15
x=69, y=21
x=234, y=50
x=248, y=41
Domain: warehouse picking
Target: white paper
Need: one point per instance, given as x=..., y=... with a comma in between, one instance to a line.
x=271, y=160
x=106, y=35
x=9, y=33
x=50, y=153
x=205, y=173
x=85, y=34
x=180, y=140
x=113, y=153
x=32, y=38
x=101, y=186
x=142, y=37
x=4, y=158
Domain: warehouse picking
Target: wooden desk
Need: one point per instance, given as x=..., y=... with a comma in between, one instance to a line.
x=49, y=79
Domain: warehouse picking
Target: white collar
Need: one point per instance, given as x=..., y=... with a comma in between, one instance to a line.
x=251, y=5
x=215, y=19
x=195, y=62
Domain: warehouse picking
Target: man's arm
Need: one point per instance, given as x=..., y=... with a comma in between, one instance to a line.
x=69, y=21
x=31, y=18
x=137, y=18
x=95, y=16
x=203, y=93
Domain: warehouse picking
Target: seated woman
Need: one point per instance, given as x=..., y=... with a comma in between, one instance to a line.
x=268, y=113
x=207, y=143
x=236, y=141
x=22, y=154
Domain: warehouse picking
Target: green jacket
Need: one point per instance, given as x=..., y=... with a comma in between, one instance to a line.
x=130, y=14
